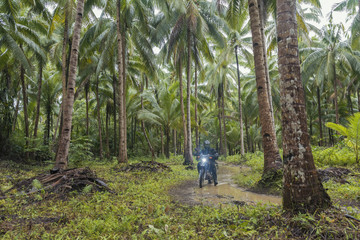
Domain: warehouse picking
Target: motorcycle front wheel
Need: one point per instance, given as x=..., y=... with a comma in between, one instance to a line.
x=201, y=177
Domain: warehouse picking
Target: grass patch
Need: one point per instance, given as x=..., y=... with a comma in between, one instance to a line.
x=250, y=175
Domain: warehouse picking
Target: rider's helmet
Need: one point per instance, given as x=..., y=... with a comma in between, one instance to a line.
x=207, y=144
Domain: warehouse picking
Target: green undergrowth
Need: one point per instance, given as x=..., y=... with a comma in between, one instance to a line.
x=338, y=155
x=251, y=173
x=142, y=208
x=251, y=168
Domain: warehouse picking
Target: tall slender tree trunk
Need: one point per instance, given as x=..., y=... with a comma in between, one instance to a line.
x=16, y=112
x=247, y=136
x=272, y=160
x=134, y=132
x=63, y=57
x=38, y=100
x=162, y=141
x=25, y=103
x=48, y=124
x=336, y=95
x=143, y=128
x=358, y=97
x=223, y=118
x=351, y=110
x=174, y=141
x=303, y=190
x=124, y=115
x=263, y=14
x=64, y=141
x=64, y=64
x=188, y=149
x=114, y=112
x=320, y=116
x=99, y=119
x=167, y=142
x=221, y=151
x=57, y=123
x=182, y=106
x=107, y=121
x=197, y=143
x=240, y=104
x=87, y=86
x=122, y=86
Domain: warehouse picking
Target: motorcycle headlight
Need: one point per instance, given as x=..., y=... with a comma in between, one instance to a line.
x=203, y=160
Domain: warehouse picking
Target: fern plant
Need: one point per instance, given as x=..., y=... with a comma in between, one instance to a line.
x=351, y=132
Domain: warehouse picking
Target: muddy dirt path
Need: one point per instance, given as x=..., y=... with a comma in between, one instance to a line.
x=225, y=192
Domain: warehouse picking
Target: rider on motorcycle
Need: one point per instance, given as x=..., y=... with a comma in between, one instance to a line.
x=214, y=156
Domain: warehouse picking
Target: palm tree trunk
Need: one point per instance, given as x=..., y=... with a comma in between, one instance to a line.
x=38, y=100
x=87, y=107
x=135, y=127
x=263, y=14
x=122, y=108
x=63, y=57
x=162, y=142
x=99, y=120
x=57, y=123
x=197, y=143
x=64, y=143
x=174, y=141
x=188, y=150
x=143, y=128
x=182, y=106
x=320, y=116
x=167, y=143
x=114, y=113
x=25, y=103
x=124, y=115
x=335, y=97
x=223, y=118
x=351, y=110
x=358, y=97
x=272, y=160
x=247, y=136
x=48, y=123
x=16, y=112
x=64, y=65
x=221, y=151
x=303, y=190
x=240, y=104
x=107, y=121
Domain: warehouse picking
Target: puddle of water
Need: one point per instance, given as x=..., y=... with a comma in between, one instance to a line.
x=226, y=191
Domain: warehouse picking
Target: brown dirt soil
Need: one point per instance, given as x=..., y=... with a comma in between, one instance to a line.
x=185, y=193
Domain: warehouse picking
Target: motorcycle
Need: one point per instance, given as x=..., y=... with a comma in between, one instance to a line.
x=204, y=169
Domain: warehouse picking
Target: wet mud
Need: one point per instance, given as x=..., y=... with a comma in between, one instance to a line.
x=225, y=192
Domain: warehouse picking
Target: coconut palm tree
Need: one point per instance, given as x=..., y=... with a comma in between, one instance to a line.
x=272, y=160
x=64, y=141
x=164, y=110
x=322, y=60
x=303, y=190
x=187, y=40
